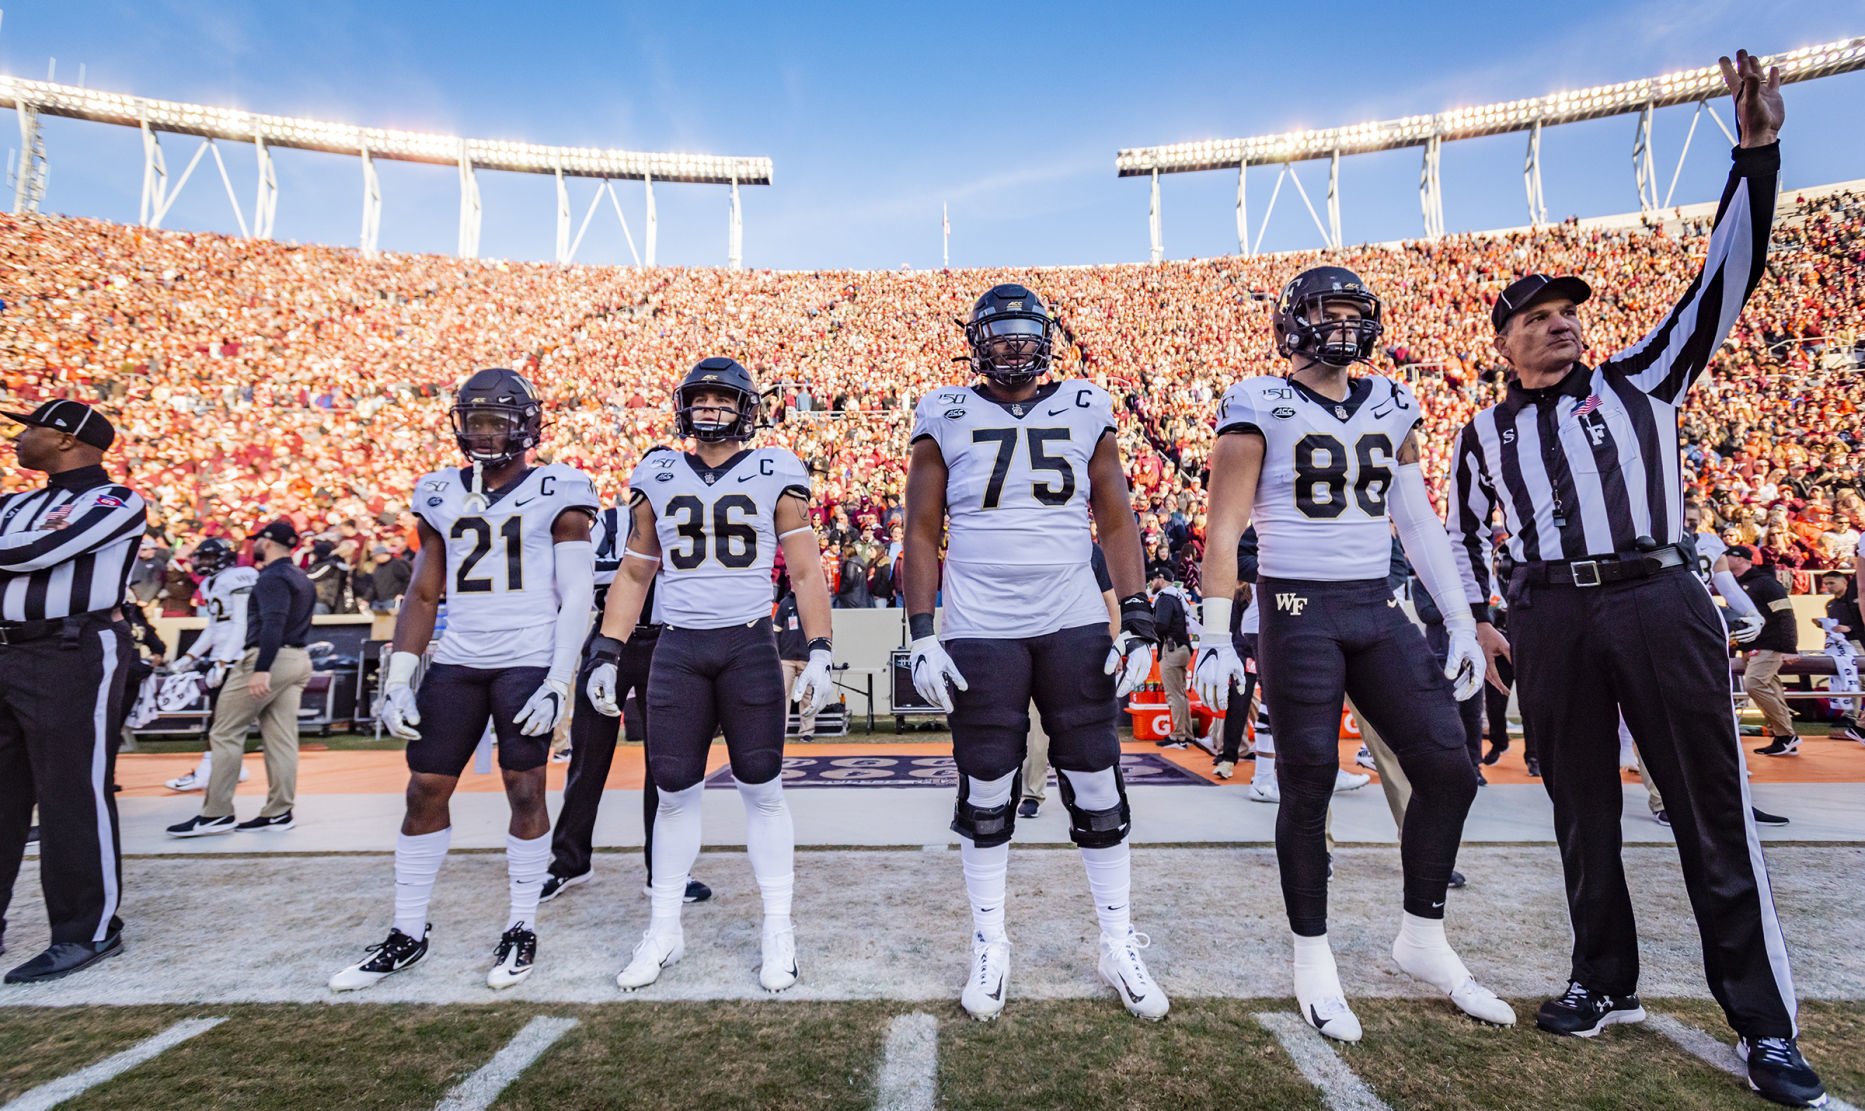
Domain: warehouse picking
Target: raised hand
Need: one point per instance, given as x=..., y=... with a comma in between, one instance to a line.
x=1759, y=109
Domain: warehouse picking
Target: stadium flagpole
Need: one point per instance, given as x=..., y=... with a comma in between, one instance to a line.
x=945, y=237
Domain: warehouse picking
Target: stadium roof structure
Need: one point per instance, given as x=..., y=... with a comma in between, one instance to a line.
x=1642, y=97
x=32, y=99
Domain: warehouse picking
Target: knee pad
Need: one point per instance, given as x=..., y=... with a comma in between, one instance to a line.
x=1099, y=817
x=767, y=796
x=679, y=802
x=986, y=814
x=1309, y=783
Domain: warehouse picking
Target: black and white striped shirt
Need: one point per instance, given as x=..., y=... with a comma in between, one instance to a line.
x=48, y=572
x=1584, y=467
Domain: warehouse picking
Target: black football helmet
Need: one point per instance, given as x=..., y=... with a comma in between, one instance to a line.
x=1300, y=326
x=496, y=416
x=725, y=375
x=212, y=556
x=1010, y=334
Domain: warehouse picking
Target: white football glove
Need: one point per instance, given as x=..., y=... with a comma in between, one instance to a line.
x=1130, y=661
x=931, y=669
x=1214, y=668
x=601, y=690
x=399, y=715
x=1465, y=665
x=544, y=709
x=216, y=675
x=816, y=686
x=1747, y=627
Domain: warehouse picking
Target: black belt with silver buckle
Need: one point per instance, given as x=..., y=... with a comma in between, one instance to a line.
x=23, y=632
x=1600, y=570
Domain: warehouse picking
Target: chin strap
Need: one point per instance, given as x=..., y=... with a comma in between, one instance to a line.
x=475, y=489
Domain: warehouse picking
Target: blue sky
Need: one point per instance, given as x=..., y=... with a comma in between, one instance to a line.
x=875, y=114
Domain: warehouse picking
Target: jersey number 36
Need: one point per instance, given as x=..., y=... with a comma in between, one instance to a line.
x=733, y=543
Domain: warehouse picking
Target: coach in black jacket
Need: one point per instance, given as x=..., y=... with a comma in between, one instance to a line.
x=1767, y=652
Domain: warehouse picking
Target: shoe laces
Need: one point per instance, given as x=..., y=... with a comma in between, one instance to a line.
x=1577, y=995
x=1777, y=1052
x=983, y=958
x=1129, y=948
x=1331, y=1008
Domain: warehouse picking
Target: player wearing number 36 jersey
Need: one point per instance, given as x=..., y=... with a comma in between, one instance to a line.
x=1017, y=466
x=1326, y=464
x=507, y=544
x=707, y=525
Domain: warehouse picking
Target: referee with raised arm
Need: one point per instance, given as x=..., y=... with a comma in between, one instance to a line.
x=65, y=555
x=1605, y=615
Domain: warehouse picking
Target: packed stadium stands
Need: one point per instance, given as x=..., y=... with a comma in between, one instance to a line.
x=255, y=378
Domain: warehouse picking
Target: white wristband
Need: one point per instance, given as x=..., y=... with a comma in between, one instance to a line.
x=1216, y=618
x=401, y=670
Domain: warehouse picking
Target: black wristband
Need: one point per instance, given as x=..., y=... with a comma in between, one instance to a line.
x=1136, y=601
x=605, y=650
x=820, y=644
x=919, y=626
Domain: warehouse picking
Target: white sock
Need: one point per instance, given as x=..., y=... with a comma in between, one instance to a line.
x=1423, y=951
x=417, y=862
x=1316, y=977
x=206, y=767
x=770, y=842
x=985, y=880
x=527, y=862
x=1110, y=881
x=1265, y=771
x=676, y=847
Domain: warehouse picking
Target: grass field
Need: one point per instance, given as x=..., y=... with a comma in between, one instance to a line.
x=1078, y=1054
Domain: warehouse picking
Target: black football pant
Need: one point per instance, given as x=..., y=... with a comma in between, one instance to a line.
x=1320, y=642
x=702, y=680
x=1653, y=649
x=1236, y=716
x=1470, y=710
x=61, y=720
x=1063, y=673
x=592, y=752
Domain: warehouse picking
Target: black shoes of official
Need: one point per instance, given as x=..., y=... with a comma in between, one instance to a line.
x=202, y=826
x=1778, y=1071
x=1534, y=768
x=1457, y=879
x=1582, y=1012
x=555, y=885
x=1780, y=746
x=1495, y=751
x=696, y=892
x=277, y=824
x=1763, y=818
x=1028, y=808
x=1662, y=817
x=64, y=958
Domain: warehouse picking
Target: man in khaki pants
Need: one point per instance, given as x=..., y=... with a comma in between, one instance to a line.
x=1172, y=619
x=1778, y=640
x=265, y=686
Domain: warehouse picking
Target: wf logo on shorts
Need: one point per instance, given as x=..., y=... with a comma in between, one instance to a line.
x=1291, y=603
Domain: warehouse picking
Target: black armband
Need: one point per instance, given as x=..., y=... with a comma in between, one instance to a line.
x=820, y=644
x=919, y=626
x=1136, y=617
x=604, y=650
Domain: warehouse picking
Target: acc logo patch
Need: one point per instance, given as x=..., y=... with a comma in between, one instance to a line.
x=1283, y=412
x=954, y=414
x=664, y=476
x=432, y=502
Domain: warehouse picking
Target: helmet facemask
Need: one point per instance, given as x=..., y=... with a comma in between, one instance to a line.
x=730, y=415
x=491, y=434
x=1010, y=349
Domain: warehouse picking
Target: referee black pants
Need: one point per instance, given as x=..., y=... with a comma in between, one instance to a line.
x=61, y=719
x=1653, y=648
x=592, y=752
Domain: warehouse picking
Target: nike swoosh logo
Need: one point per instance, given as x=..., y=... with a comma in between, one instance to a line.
x=746, y=477
x=1436, y=905
x=1382, y=413
x=1392, y=603
x=1314, y=1018
x=527, y=501
x=1125, y=988
x=1058, y=412
x=999, y=993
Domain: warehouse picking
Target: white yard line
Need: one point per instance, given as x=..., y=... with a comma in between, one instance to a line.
x=1718, y=1054
x=67, y=1087
x=908, y=1077
x=1339, y=1086
x=479, y=1090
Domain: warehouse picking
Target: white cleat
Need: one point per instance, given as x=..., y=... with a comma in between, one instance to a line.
x=1481, y=1004
x=381, y=961
x=779, y=968
x=1345, y=780
x=654, y=952
x=1265, y=791
x=196, y=780
x=1126, y=973
x=1332, y=1017
x=513, y=959
x=1318, y=994
x=983, y=996
x=1437, y=965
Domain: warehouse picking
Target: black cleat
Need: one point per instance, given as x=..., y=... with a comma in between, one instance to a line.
x=391, y=955
x=696, y=892
x=1534, y=768
x=1763, y=818
x=1028, y=808
x=513, y=957
x=1495, y=751
x=1457, y=879
x=1582, y=1012
x=1778, y=1071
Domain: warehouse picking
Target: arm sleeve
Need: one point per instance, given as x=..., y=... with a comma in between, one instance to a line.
x=1427, y=546
x=229, y=634
x=97, y=519
x=1740, y=603
x=1470, y=502
x=1672, y=356
x=576, y=600
x=273, y=598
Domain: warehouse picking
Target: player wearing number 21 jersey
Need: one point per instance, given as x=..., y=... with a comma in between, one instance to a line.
x=707, y=525
x=1325, y=463
x=1010, y=470
x=507, y=544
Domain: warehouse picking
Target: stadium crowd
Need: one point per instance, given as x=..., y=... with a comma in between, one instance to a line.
x=254, y=379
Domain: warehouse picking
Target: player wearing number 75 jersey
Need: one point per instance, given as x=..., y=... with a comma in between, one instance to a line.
x=706, y=528
x=1321, y=459
x=1016, y=467
x=507, y=543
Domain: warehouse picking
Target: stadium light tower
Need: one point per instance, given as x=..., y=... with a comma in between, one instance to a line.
x=33, y=99
x=1641, y=97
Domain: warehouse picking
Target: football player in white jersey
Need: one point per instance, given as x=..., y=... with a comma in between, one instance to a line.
x=593, y=734
x=507, y=544
x=1008, y=472
x=1319, y=458
x=226, y=589
x=1746, y=622
x=706, y=529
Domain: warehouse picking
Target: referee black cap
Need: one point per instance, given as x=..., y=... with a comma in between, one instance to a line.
x=1536, y=287
x=75, y=419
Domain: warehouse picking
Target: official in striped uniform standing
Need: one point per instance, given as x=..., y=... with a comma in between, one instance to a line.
x=1606, y=616
x=65, y=556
